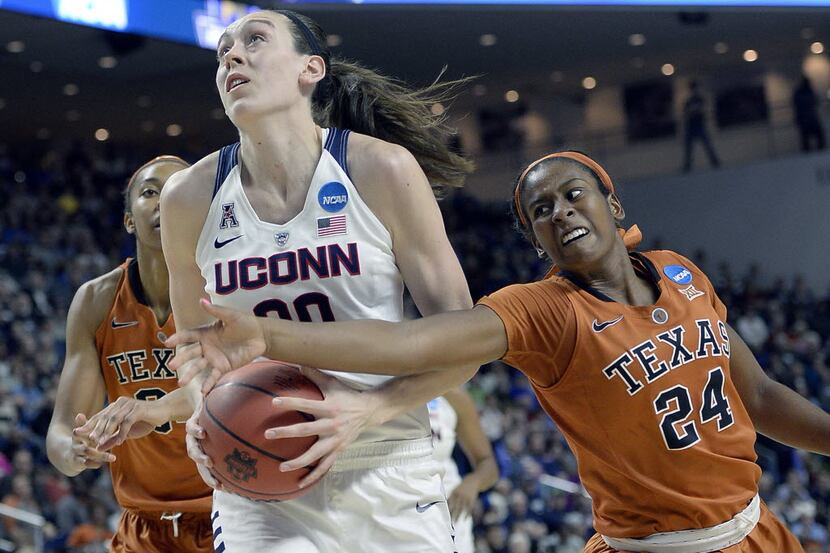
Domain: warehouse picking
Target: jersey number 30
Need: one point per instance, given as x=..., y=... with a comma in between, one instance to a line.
x=675, y=404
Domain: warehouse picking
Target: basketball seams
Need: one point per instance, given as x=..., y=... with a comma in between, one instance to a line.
x=306, y=416
x=239, y=438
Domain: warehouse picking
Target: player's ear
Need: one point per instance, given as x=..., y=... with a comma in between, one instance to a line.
x=616, y=207
x=129, y=223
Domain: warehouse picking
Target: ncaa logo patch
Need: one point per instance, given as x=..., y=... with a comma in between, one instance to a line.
x=678, y=273
x=333, y=196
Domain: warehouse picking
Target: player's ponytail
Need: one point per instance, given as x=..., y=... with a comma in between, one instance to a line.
x=362, y=100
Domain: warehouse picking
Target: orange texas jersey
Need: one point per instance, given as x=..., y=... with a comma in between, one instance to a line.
x=643, y=394
x=152, y=473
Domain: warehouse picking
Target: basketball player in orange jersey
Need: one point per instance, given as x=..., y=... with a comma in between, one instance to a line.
x=115, y=329
x=324, y=210
x=628, y=352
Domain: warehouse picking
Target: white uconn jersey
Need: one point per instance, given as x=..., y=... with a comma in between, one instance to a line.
x=331, y=262
x=443, y=421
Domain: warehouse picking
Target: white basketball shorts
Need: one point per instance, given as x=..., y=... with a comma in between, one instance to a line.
x=377, y=498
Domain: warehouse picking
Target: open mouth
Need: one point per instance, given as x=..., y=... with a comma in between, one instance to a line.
x=235, y=82
x=574, y=235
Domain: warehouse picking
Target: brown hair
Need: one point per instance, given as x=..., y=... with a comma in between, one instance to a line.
x=362, y=100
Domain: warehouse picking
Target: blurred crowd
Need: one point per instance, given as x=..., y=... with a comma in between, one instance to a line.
x=61, y=224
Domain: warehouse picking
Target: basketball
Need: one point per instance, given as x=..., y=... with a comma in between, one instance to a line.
x=236, y=413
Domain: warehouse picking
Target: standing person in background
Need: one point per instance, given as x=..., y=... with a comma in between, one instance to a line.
x=694, y=119
x=810, y=129
x=454, y=416
x=323, y=211
x=114, y=334
x=628, y=352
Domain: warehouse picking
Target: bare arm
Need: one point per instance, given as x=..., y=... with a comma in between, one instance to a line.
x=777, y=411
x=446, y=342
x=399, y=193
x=478, y=450
x=473, y=441
x=81, y=389
x=184, y=205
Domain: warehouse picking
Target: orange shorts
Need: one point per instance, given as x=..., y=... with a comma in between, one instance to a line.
x=140, y=532
x=769, y=535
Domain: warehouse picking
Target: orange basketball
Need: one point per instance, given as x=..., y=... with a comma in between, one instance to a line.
x=236, y=413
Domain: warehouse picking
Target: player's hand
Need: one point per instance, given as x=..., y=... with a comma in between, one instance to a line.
x=195, y=433
x=463, y=498
x=83, y=454
x=233, y=340
x=340, y=417
x=124, y=419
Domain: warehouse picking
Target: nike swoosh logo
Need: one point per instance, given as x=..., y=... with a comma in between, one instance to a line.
x=599, y=327
x=421, y=508
x=217, y=244
x=116, y=324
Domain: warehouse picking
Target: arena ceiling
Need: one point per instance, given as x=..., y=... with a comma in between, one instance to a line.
x=540, y=52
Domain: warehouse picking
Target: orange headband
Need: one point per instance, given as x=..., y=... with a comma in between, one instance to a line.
x=630, y=237
x=576, y=156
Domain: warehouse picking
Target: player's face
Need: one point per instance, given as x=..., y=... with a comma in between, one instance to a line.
x=259, y=67
x=144, y=220
x=571, y=219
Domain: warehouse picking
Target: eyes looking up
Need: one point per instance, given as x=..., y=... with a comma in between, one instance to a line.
x=251, y=38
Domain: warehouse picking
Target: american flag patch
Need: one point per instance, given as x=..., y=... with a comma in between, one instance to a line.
x=331, y=226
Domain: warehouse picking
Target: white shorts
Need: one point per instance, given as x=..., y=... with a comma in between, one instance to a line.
x=464, y=541
x=377, y=498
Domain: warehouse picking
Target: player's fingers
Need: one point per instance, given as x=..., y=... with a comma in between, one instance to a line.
x=193, y=429
x=186, y=353
x=183, y=338
x=195, y=452
x=314, y=407
x=312, y=454
x=191, y=369
x=211, y=379
x=90, y=454
x=117, y=418
x=208, y=477
x=322, y=467
x=84, y=428
x=298, y=430
x=187, y=372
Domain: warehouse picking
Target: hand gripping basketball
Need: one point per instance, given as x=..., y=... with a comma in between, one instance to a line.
x=234, y=419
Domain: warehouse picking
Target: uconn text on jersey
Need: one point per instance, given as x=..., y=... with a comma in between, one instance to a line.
x=252, y=273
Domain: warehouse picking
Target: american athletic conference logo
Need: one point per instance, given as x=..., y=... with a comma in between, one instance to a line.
x=333, y=196
x=241, y=466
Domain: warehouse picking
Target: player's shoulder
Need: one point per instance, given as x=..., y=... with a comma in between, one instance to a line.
x=673, y=265
x=95, y=297
x=552, y=289
x=372, y=160
x=192, y=183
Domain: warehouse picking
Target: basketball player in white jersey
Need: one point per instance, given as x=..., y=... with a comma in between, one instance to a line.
x=454, y=416
x=314, y=223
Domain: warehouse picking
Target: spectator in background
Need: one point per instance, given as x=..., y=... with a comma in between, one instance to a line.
x=753, y=329
x=694, y=117
x=805, y=104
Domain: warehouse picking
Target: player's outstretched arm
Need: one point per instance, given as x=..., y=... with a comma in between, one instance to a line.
x=129, y=418
x=81, y=389
x=478, y=450
x=776, y=411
